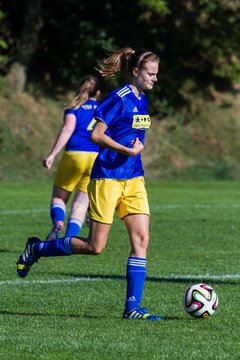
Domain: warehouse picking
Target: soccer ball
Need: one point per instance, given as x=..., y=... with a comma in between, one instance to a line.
x=200, y=301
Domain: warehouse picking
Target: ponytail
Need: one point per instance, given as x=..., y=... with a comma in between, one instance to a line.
x=117, y=61
x=88, y=87
x=125, y=60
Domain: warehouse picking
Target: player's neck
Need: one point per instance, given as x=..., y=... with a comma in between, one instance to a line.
x=136, y=91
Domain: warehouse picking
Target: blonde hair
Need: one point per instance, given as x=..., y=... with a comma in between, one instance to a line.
x=125, y=60
x=88, y=87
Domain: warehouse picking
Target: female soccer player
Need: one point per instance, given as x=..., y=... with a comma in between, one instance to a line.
x=117, y=181
x=76, y=164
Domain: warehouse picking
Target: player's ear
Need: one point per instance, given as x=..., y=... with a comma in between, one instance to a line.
x=135, y=72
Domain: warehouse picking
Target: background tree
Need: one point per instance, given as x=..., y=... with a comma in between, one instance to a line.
x=58, y=41
x=3, y=41
x=25, y=24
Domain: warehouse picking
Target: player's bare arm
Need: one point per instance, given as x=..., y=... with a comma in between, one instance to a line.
x=99, y=137
x=62, y=138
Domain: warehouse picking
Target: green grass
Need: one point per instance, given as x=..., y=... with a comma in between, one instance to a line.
x=70, y=308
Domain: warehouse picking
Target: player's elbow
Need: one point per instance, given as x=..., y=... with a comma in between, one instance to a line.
x=95, y=138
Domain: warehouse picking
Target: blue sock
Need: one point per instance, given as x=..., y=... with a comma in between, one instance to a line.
x=74, y=227
x=57, y=213
x=136, y=274
x=58, y=247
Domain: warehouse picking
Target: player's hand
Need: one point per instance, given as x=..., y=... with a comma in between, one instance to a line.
x=48, y=161
x=137, y=147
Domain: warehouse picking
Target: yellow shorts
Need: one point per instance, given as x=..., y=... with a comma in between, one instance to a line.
x=74, y=170
x=126, y=196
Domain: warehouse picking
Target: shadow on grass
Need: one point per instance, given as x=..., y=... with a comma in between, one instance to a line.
x=167, y=279
x=78, y=316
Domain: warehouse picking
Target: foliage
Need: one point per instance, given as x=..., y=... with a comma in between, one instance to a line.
x=198, y=42
x=204, y=37
x=3, y=42
x=157, y=6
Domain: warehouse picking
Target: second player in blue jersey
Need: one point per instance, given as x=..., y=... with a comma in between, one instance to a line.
x=73, y=173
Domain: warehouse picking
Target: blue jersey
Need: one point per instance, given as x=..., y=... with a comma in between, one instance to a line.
x=80, y=139
x=127, y=118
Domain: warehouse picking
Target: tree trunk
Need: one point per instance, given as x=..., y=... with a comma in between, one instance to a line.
x=32, y=23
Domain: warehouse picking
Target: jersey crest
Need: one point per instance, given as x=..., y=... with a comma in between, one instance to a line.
x=141, y=122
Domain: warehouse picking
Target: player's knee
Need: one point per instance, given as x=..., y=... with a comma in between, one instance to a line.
x=143, y=242
x=96, y=251
x=76, y=207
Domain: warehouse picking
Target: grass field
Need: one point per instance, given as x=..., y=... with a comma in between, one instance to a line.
x=70, y=308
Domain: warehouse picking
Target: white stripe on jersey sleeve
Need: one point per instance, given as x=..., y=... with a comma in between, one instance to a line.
x=124, y=91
